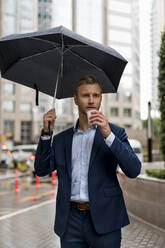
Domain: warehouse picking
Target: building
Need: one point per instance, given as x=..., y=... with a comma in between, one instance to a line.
x=17, y=120
x=44, y=22
x=157, y=27
x=123, y=35
x=114, y=23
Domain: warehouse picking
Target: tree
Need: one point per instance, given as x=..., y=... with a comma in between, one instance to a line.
x=155, y=126
x=161, y=89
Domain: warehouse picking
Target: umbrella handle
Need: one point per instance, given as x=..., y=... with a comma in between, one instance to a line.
x=49, y=126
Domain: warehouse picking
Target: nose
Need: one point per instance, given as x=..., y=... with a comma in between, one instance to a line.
x=91, y=99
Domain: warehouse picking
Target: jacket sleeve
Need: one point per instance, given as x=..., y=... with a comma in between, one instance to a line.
x=127, y=160
x=45, y=157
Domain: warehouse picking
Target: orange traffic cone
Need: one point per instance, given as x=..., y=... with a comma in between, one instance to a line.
x=16, y=185
x=53, y=181
x=51, y=197
x=37, y=182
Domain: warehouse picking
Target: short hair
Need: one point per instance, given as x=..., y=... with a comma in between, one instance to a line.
x=88, y=79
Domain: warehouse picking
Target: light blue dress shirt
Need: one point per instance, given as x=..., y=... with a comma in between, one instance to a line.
x=81, y=152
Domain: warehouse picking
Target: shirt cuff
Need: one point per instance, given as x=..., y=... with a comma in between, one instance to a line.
x=109, y=140
x=45, y=138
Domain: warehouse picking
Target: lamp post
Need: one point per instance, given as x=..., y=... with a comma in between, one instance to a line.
x=149, y=133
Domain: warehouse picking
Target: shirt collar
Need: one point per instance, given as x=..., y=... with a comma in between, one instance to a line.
x=75, y=127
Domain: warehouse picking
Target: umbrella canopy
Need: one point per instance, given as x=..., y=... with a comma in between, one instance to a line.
x=41, y=60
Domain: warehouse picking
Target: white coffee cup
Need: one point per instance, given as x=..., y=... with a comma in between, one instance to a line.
x=89, y=112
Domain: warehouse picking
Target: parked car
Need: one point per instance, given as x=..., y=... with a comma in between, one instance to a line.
x=20, y=154
x=5, y=158
x=137, y=148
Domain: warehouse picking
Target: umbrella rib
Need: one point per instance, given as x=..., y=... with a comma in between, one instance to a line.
x=52, y=43
x=46, y=41
x=92, y=65
x=37, y=54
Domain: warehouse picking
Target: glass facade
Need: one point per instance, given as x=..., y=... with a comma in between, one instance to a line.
x=17, y=16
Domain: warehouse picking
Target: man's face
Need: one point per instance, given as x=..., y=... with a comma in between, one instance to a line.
x=88, y=97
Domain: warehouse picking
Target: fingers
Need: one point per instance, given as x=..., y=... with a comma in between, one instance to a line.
x=98, y=121
x=97, y=114
x=50, y=114
x=97, y=118
x=49, y=117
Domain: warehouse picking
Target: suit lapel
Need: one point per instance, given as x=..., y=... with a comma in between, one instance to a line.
x=96, y=144
x=68, y=149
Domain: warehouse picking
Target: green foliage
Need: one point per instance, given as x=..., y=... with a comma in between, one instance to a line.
x=161, y=88
x=155, y=123
x=158, y=173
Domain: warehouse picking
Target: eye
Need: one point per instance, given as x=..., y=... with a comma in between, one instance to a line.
x=96, y=95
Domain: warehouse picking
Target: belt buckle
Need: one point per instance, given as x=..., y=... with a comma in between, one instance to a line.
x=80, y=207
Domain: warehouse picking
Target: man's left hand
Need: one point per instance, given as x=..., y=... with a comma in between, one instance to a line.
x=97, y=118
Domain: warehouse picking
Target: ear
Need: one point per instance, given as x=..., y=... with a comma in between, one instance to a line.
x=75, y=100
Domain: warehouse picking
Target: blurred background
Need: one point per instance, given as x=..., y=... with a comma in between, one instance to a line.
x=134, y=28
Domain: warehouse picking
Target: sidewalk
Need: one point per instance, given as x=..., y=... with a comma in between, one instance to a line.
x=33, y=228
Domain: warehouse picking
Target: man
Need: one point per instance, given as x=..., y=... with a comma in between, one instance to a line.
x=90, y=208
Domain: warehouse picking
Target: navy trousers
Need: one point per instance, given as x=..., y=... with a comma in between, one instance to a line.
x=80, y=233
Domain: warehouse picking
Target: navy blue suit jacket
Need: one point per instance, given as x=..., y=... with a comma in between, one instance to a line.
x=106, y=200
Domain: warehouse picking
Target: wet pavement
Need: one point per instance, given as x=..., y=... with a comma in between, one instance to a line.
x=34, y=228
x=29, y=194
x=27, y=219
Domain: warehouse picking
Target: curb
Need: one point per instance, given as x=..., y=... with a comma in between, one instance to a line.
x=12, y=176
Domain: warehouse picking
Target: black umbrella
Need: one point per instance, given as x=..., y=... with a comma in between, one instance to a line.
x=43, y=60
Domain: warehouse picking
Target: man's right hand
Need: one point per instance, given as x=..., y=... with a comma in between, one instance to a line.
x=50, y=116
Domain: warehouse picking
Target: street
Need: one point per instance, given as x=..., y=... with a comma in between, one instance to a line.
x=27, y=219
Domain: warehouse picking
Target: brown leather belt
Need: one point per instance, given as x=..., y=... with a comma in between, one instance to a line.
x=80, y=205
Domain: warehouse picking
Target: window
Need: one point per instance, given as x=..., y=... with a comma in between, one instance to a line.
x=127, y=112
x=26, y=128
x=8, y=127
x=114, y=96
x=116, y=35
x=137, y=115
x=114, y=112
x=25, y=107
x=9, y=25
x=120, y=6
x=137, y=86
x=42, y=109
x=8, y=106
x=66, y=106
x=120, y=21
x=8, y=89
x=9, y=6
x=127, y=96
